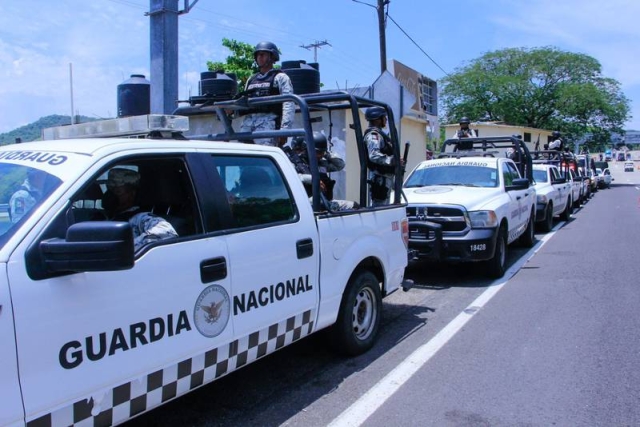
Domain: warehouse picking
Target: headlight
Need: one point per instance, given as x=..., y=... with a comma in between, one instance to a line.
x=483, y=219
x=542, y=198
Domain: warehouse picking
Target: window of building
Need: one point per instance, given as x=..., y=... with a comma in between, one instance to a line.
x=428, y=94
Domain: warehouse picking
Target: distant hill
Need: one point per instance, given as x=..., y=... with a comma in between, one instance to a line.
x=33, y=131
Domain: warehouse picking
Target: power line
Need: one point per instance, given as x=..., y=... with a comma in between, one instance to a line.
x=315, y=47
x=417, y=45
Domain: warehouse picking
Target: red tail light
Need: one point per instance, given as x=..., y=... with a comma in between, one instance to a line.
x=405, y=232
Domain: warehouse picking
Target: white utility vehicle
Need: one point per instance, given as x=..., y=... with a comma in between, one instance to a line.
x=554, y=196
x=471, y=202
x=95, y=332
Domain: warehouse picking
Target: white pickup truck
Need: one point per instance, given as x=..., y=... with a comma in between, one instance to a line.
x=95, y=332
x=554, y=195
x=470, y=204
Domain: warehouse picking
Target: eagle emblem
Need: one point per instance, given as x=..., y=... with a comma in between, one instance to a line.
x=213, y=311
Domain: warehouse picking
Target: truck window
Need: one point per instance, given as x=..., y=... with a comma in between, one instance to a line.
x=510, y=173
x=22, y=190
x=157, y=187
x=256, y=190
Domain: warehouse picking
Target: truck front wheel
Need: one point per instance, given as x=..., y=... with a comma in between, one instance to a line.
x=528, y=238
x=358, y=321
x=547, y=224
x=496, y=266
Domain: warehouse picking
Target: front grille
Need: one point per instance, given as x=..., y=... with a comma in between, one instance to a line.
x=451, y=218
x=421, y=233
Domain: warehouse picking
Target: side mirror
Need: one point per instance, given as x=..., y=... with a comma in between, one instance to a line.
x=90, y=246
x=518, y=184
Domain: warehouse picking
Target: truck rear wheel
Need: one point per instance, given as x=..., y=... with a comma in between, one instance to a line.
x=358, y=321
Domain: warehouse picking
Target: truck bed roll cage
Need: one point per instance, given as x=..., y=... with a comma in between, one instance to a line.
x=490, y=146
x=306, y=104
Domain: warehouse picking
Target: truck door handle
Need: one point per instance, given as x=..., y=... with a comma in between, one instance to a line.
x=213, y=269
x=304, y=248
x=519, y=197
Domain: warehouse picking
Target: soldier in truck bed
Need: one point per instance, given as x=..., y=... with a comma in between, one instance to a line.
x=266, y=82
x=465, y=131
x=328, y=162
x=382, y=163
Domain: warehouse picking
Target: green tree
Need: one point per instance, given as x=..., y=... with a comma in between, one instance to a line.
x=543, y=88
x=240, y=62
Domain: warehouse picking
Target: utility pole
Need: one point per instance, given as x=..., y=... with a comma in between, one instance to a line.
x=381, y=30
x=383, y=38
x=315, y=47
x=73, y=121
x=163, y=15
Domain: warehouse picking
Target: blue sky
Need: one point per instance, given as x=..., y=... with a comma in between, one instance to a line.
x=108, y=40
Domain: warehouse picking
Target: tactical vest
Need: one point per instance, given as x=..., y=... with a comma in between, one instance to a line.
x=263, y=85
x=301, y=163
x=386, y=149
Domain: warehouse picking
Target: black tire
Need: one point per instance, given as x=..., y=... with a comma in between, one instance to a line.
x=358, y=322
x=528, y=238
x=547, y=224
x=578, y=202
x=496, y=266
x=566, y=213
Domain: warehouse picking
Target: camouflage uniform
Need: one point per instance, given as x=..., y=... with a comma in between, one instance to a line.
x=146, y=226
x=330, y=162
x=465, y=133
x=149, y=228
x=267, y=120
x=22, y=201
x=382, y=165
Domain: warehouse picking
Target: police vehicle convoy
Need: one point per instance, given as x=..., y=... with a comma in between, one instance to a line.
x=220, y=258
x=471, y=202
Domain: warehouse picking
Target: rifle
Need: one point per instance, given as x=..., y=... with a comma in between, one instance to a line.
x=405, y=156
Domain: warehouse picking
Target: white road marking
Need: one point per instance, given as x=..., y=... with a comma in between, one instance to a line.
x=360, y=410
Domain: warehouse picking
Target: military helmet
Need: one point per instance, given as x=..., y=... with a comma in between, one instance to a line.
x=122, y=176
x=267, y=47
x=465, y=120
x=555, y=134
x=374, y=113
x=297, y=143
x=320, y=141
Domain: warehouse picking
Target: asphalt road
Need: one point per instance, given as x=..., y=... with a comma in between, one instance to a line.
x=554, y=343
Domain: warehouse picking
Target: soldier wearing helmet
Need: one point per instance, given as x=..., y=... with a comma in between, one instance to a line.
x=557, y=141
x=120, y=204
x=382, y=163
x=328, y=162
x=268, y=81
x=465, y=131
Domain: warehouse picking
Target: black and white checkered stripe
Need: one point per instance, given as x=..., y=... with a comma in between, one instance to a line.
x=133, y=398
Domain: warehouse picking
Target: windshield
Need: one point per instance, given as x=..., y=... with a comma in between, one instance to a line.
x=540, y=175
x=22, y=189
x=472, y=176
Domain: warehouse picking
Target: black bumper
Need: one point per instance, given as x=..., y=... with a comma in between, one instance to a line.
x=427, y=240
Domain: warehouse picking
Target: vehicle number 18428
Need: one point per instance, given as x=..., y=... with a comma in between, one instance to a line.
x=479, y=247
